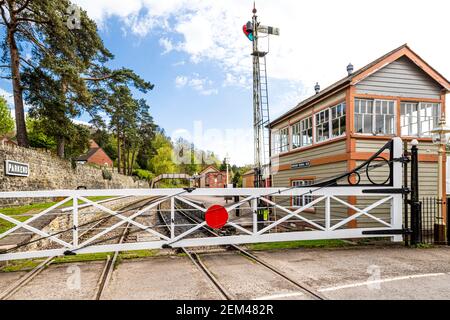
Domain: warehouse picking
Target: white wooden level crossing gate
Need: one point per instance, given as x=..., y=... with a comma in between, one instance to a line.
x=316, y=217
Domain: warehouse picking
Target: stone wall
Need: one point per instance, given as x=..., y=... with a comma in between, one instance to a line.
x=48, y=172
x=65, y=222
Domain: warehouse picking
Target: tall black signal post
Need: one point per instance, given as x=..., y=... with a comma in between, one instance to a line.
x=261, y=117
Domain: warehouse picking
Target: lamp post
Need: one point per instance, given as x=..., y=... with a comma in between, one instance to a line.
x=440, y=138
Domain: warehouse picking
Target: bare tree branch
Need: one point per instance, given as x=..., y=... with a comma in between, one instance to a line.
x=32, y=20
x=28, y=63
x=30, y=36
x=25, y=5
x=109, y=76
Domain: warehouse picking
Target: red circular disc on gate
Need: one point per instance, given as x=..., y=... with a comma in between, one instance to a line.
x=216, y=216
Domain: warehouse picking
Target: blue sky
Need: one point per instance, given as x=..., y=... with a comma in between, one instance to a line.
x=176, y=106
x=195, y=53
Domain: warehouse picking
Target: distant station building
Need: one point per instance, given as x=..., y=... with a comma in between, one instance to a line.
x=95, y=155
x=341, y=126
x=211, y=177
x=248, y=179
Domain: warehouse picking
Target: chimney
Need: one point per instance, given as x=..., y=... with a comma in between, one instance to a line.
x=317, y=88
x=350, y=69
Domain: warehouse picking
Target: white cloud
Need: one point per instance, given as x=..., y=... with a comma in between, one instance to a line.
x=167, y=45
x=318, y=38
x=181, y=81
x=8, y=97
x=84, y=123
x=202, y=85
x=230, y=142
x=237, y=81
x=179, y=63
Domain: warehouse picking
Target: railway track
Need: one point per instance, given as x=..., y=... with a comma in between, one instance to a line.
x=184, y=221
x=109, y=265
x=301, y=286
x=195, y=257
x=107, y=272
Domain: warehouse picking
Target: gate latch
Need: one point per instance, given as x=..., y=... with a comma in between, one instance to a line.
x=387, y=232
x=388, y=190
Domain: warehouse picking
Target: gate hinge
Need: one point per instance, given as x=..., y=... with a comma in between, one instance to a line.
x=402, y=159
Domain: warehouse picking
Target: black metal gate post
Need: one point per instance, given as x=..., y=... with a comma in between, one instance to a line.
x=415, y=203
x=406, y=195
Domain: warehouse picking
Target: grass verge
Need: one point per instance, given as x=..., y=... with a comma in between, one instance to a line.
x=30, y=209
x=26, y=265
x=20, y=265
x=82, y=257
x=137, y=254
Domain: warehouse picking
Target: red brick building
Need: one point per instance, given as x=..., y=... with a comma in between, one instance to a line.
x=95, y=155
x=211, y=177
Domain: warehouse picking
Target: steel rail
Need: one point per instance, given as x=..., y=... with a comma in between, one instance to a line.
x=107, y=272
x=303, y=287
x=22, y=281
x=106, y=275
x=196, y=260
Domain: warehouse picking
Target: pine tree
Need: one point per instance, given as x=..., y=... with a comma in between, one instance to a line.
x=22, y=21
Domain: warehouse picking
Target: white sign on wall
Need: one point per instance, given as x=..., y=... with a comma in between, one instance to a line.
x=13, y=168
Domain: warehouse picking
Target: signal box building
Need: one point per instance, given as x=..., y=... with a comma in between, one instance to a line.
x=341, y=126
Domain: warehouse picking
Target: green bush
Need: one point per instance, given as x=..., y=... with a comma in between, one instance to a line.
x=106, y=174
x=143, y=174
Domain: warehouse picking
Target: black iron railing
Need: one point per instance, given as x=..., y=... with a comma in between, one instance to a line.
x=432, y=229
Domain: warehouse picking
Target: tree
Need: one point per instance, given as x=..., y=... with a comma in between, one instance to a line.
x=6, y=120
x=122, y=110
x=237, y=179
x=162, y=161
x=22, y=20
x=79, y=142
x=138, y=134
x=37, y=135
x=187, y=156
x=72, y=58
x=147, y=132
x=223, y=165
x=56, y=78
x=106, y=141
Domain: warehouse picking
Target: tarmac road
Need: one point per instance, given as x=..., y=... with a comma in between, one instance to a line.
x=342, y=273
